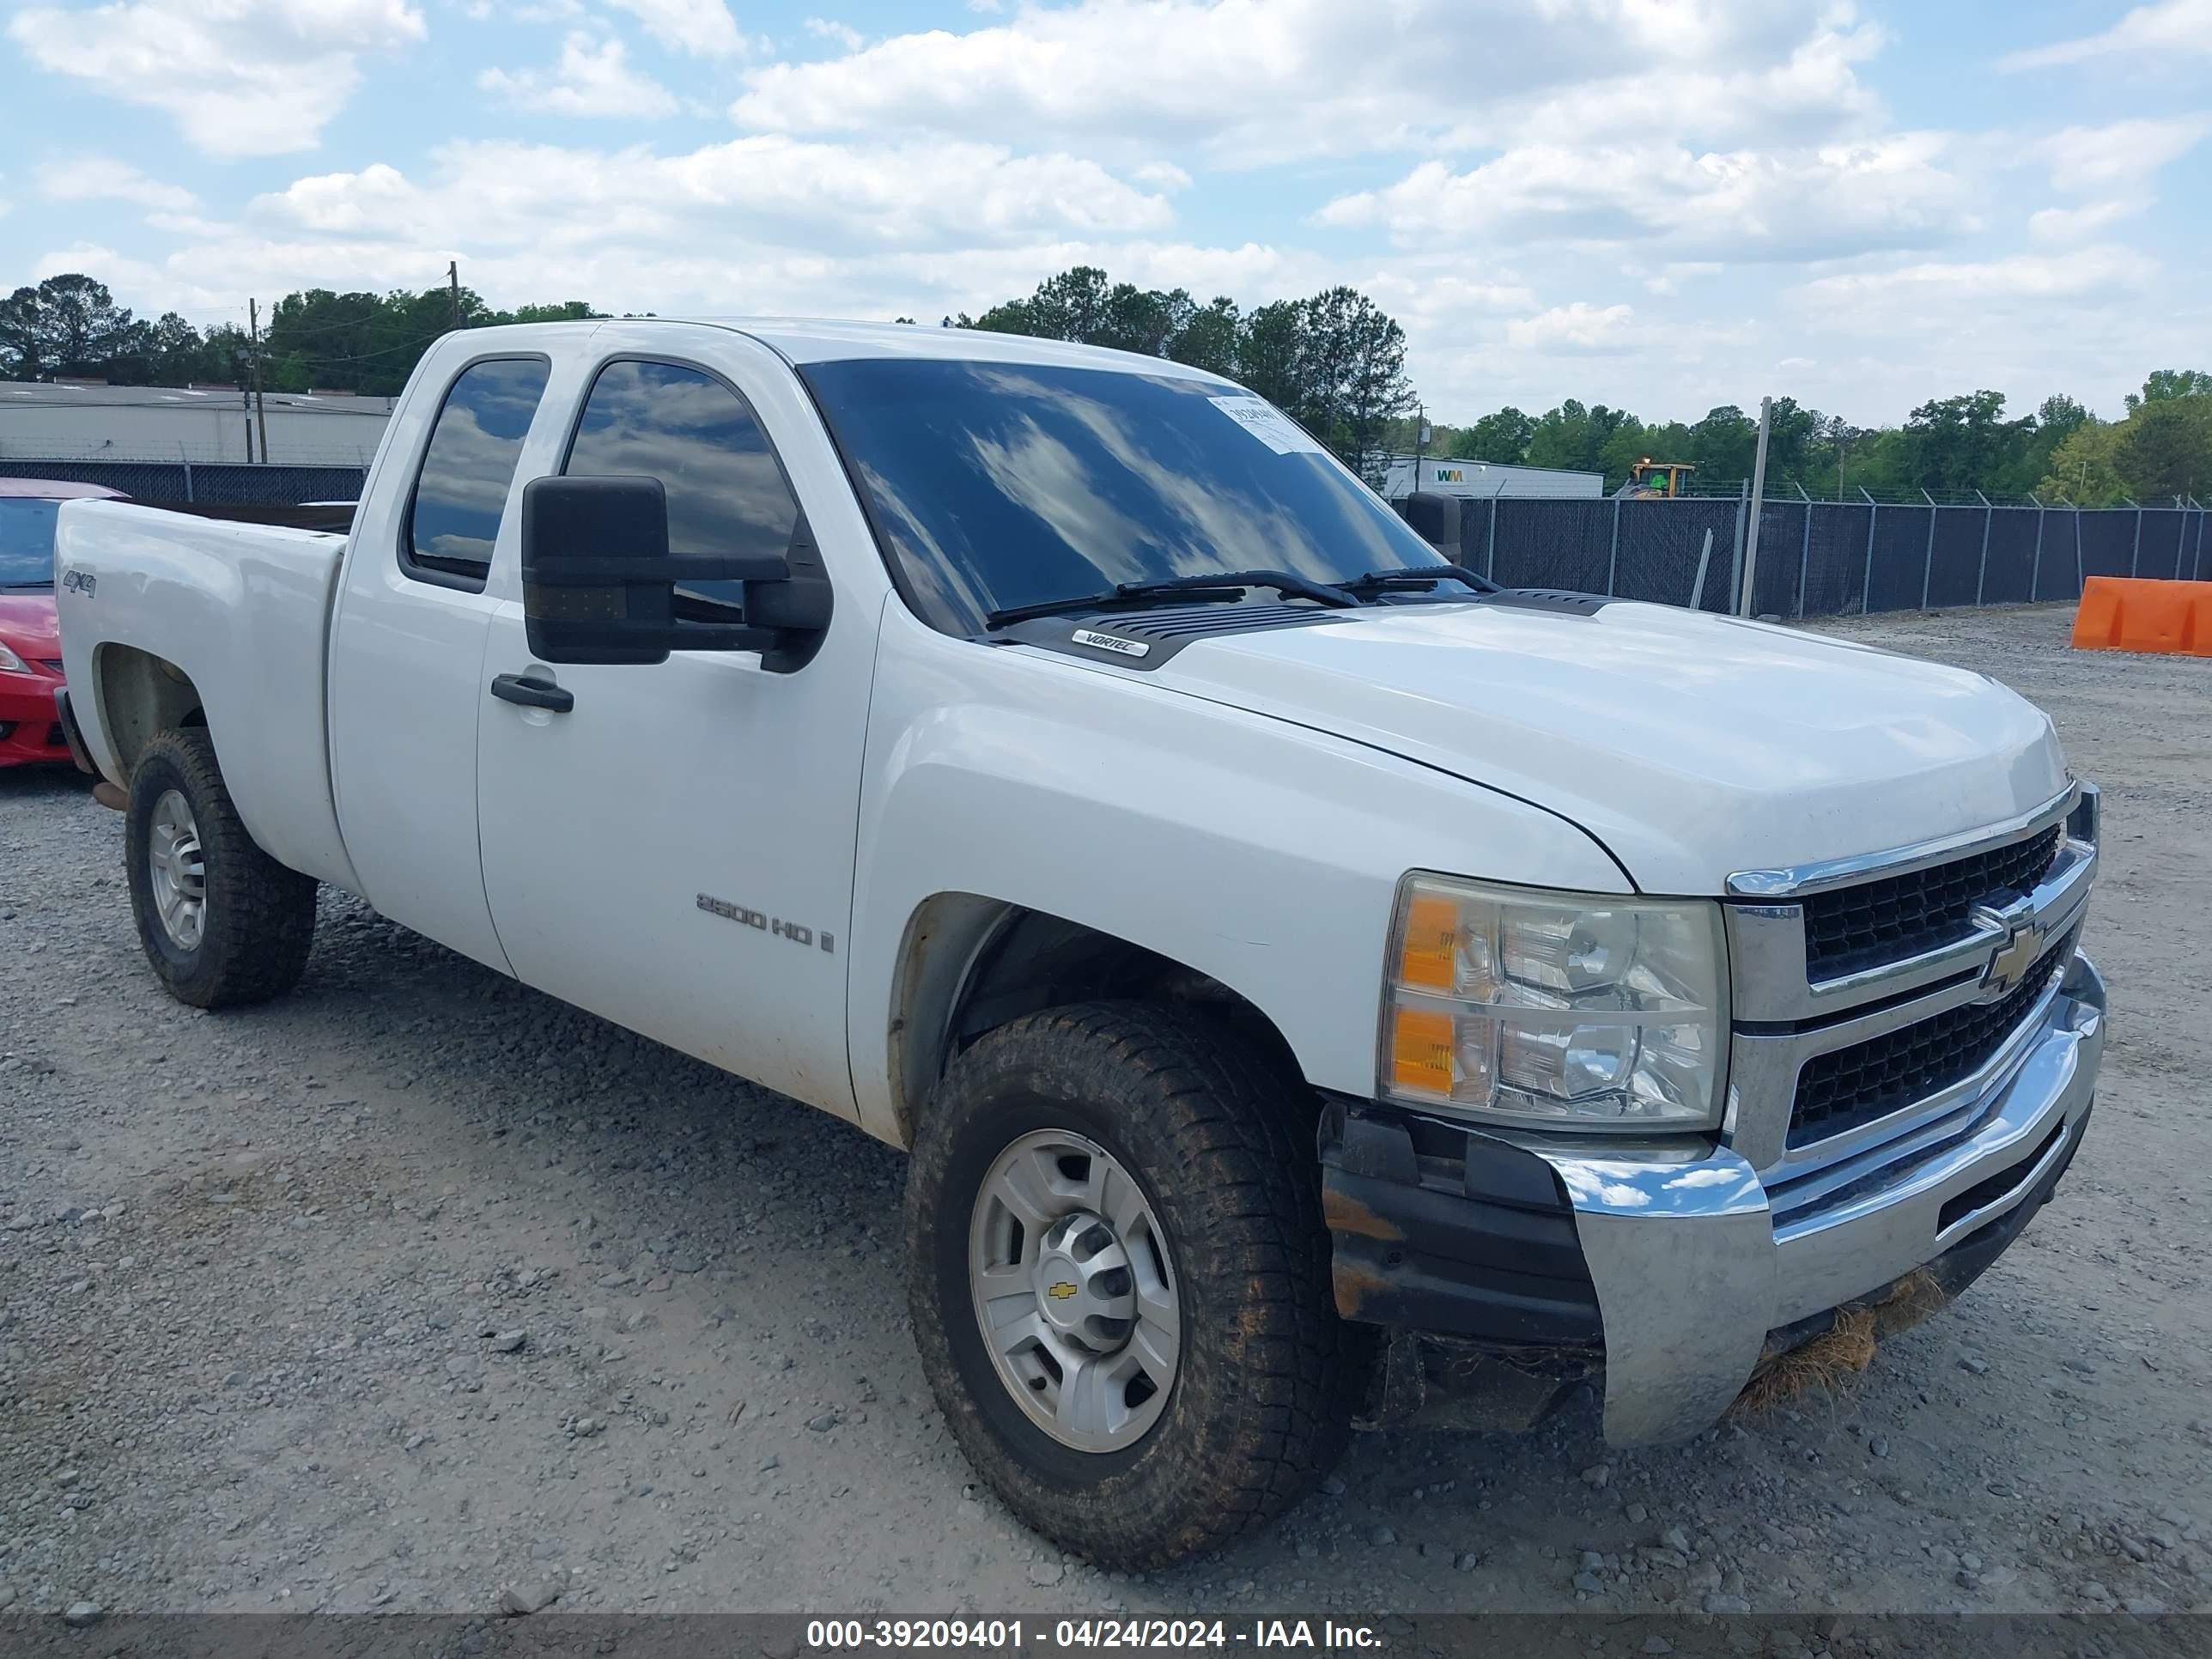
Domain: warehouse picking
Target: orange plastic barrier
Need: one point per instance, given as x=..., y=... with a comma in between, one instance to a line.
x=2127, y=613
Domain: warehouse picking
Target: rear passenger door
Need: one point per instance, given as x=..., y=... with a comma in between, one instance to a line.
x=407, y=643
x=674, y=849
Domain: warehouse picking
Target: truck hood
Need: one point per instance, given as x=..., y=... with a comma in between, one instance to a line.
x=1693, y=746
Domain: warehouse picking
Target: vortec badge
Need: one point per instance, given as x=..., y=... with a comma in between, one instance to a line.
x=1114, y=642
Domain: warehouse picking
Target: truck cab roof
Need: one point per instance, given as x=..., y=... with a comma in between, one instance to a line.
x=819, y=340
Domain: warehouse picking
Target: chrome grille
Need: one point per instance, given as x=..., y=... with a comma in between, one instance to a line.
x=1888, y=1038
x=1899, y=917
x=1845, y=1088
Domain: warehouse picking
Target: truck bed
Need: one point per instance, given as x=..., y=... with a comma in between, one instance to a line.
x=242, y=612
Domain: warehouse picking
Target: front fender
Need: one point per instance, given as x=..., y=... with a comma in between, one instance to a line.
x=1262, y=854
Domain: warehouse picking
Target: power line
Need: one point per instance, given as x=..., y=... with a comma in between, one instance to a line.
x=405, y=345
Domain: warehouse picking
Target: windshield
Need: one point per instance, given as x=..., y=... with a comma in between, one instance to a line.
x=998, y=485
x=27, y=542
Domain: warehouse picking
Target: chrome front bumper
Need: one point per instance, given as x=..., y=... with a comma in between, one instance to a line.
x=1695, y=1261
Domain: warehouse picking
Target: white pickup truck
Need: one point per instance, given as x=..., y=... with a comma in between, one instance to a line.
x=1313, y=983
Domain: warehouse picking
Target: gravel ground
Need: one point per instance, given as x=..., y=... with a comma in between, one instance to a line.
x=418, y=1287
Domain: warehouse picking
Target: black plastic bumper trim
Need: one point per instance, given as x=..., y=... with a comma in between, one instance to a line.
x=1445, y=1231
x=65, y=717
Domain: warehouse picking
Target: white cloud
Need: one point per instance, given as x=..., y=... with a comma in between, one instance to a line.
x=523, y=11
x=1704, y=160
x=1254, y=83
x=1792, y=205
x=95, y=178
x=701, y=27
x=838, y=34
x=2056, y=224
x=241, y=77
x=1577, y=327
x=2154, y=34
x=593, y=79
x=2124, y=152
x=914, y=196
x=2085, y=273
x=1434, y=302
x=188, y=224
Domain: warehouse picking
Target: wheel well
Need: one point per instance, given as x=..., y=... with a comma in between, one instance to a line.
x=972, y=964
x=142, y=695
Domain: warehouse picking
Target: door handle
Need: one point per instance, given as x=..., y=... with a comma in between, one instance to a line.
x=532, y=693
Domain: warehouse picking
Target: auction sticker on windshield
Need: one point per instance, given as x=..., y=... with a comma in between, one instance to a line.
x=1268, y=424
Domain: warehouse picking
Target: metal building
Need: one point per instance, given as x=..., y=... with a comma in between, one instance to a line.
x=74, y=421
x=1481, y=480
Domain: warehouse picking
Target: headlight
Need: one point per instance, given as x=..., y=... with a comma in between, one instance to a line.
x=10, y=663
x=1558, y=1010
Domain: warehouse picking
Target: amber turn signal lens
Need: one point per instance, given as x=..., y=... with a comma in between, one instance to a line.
x=1421, y=1051
x=1429, y=956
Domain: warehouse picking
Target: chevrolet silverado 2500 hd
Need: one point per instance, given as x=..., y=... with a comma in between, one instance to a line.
x=1313, y=983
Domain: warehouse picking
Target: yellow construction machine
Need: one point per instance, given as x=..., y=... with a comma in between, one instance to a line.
x=1654, y=481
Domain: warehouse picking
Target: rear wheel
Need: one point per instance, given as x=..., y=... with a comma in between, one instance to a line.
x=1119, y=1281
x=223, y=923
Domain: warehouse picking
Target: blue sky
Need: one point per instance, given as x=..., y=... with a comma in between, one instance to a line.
x=1662, y=204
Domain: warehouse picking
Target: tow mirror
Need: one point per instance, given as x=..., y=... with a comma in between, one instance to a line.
x=1435, y=519
x=599, y=584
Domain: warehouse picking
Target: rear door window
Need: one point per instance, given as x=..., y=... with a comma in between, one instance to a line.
x=461, y=491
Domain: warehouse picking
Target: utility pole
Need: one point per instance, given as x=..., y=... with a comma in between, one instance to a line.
x=1757, y=507
x=260, y=406
x=453, y=283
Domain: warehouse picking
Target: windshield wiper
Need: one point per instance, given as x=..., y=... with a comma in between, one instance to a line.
x=1210, y=586
x=1423, y=575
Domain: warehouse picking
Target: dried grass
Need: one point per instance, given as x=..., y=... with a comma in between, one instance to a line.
x=1844, y=1349
x=1913, y=1298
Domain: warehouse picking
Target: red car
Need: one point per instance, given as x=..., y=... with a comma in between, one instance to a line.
x=30, y=638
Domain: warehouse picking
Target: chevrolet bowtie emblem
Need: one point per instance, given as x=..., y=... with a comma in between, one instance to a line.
x=2013, y=959
x=1060, y=1291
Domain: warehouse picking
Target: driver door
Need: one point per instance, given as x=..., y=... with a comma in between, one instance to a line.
x=674, y=849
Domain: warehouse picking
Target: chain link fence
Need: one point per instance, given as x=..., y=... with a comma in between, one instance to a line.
x=228, y=484
x=1827, y=558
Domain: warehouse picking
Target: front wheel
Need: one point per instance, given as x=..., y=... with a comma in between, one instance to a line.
x=1119, y=1279
x=221, y=922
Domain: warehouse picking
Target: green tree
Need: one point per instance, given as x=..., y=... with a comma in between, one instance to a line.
x=2164, y=447
x=1792, y=431
x=2163, y=384
x=1207, y=338
x=2061, y=417
x=1352, y=367
x=1617, y=456
x=1502, y=438
x=1270, y=355
x=2082, y=470
x=1723, y=445
x=569, y=311
x=1962, y=443
x=1575, y=438
x=67, y=324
